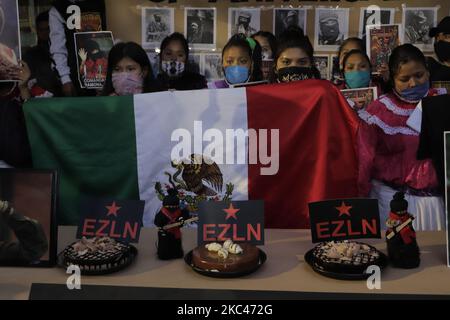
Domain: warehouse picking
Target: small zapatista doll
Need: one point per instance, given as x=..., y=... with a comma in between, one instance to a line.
x=169, y=240
x=401, y=241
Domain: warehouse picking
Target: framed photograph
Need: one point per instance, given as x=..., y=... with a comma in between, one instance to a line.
x=359, y=99
x=285, y=17
x=370, y=17
x=447, y=190
x=243, y=20
x=417, y=23
x=195, y=63
x=380, y=42
x=200, y=27
x=92, y=50
x=322, y=63
x=28, y=227
x=157, y=23
x=10, y=46
x=331, y=28
x=212, y=66
x=335, y=73
x=153, y=56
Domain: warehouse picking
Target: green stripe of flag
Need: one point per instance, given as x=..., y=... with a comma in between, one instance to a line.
x=92, y=144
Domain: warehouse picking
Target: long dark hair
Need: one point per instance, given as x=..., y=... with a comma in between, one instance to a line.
x=135, y=52
x=293, y=37
x=241, y=41
x=404, y=54
x=270, y=38
x=176, y=36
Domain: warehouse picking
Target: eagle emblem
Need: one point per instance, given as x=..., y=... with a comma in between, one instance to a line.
x=196, y=179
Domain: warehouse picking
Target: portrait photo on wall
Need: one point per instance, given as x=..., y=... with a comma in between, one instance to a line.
x=381, y=41
x=285, y=17
x=200, y=28
x=92, y=50
x=10, y=46
x=195, y=63
x=28, y=232
x=212, y=66
x=417, y=23
x=243, y=20
x=359, y=99
x=331, y=28
x=370, y=17
x=153, y=56
x=157, y=23
x=322, y=63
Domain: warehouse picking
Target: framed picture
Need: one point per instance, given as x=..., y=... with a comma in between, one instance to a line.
x=200, y=27
x=92, y=50
x=331, y=28
x=195, y=63
x=153, y=56
x=322, y=63
x=10, y=46
x=447, y=189
x=285, y=17
x=417, y=23
x=212, y=66
x=243, y=20
x=359, y=99
x=380, y=42
x=374, y=16
x=335, y=73
x=28, y=227
x=157, y=23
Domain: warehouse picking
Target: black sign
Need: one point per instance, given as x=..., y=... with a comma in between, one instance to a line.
x=240, y=221
x=120, y=220
x=344, y=219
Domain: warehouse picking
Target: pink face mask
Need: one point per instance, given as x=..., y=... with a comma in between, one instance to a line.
x=126, y=83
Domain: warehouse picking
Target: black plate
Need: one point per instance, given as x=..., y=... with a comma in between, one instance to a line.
x=188, y=260
x=126, y=260
x=309, y=258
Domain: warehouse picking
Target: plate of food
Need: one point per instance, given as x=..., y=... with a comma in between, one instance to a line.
x=345, y=260
x=227, y=260
x=98, y=256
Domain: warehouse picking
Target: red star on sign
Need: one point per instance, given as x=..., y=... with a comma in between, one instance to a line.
x=231, y=212
x=112, y=209
x=343, y=209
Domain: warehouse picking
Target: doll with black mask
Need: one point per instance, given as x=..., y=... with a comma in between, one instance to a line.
x=402, y=246
x=169, y=239
x=440, y=70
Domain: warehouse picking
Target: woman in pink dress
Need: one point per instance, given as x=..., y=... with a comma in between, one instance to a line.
x=387, y=146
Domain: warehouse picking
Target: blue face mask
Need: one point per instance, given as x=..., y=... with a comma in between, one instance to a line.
x=357, y=79
x=416, y=93
x=236, y=74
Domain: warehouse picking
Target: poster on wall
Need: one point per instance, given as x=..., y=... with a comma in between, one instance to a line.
x=322, y=63
x=200, y=27
x=381, y=41
x=195, y=63
x=92, y=49
x=154, y=61
x=243, y=20
x=10, y=52
x=285, y=17
x=331, y=28
x=157, y=23
x=359, y=99
x=212, y=65
x=369, y=17
x=417, y=23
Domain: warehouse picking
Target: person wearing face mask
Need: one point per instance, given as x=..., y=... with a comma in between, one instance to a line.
x=241, y=62
x=129, y=71
x=294, y=58
x=440, y=70
x=268, y=44
x=175, y=72
x=387, y=146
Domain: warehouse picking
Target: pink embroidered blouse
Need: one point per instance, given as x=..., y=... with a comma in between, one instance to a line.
x=387, y=147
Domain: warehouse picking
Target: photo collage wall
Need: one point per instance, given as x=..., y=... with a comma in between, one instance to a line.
x=331, y=27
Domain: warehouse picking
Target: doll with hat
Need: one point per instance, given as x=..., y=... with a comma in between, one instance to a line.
x=169, y=221
x=401, y=241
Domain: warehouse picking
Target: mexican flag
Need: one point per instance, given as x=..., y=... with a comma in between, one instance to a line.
x=286, y=144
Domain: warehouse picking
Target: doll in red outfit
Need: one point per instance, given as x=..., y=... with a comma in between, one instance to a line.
x=402, y=246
